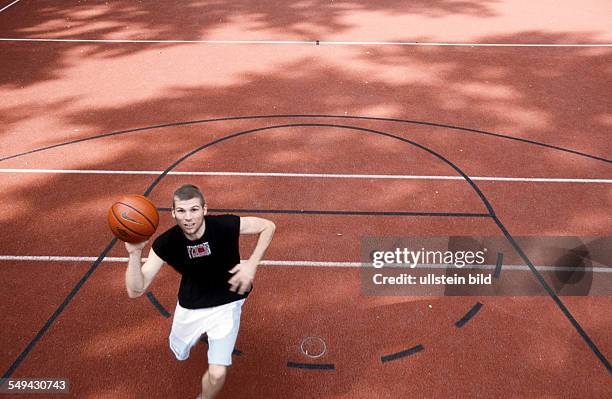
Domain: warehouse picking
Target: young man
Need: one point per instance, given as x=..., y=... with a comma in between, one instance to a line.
x=204, y=249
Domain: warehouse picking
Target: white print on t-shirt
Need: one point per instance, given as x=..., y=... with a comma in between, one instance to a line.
x=197, y=251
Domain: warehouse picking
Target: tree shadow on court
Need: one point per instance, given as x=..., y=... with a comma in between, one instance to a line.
x=187, y=20
x=524, y=92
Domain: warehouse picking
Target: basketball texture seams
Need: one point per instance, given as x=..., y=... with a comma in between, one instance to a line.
x=133, y=218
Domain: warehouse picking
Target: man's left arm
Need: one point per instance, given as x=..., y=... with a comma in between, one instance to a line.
x=244, y=272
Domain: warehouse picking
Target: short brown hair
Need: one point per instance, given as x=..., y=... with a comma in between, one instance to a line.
x=187, y=192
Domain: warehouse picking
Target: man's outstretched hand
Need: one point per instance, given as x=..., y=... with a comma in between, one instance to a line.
x=135, y=248
x=243, y=274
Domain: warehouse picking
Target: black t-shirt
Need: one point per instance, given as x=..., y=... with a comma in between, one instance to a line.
x=205, y=263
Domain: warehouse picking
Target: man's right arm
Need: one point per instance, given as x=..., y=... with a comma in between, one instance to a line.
x=138, y=276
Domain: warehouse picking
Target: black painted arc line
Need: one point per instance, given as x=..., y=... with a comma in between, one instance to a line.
x=288, y=116
x=311, y=366
x=602, y=358
x=140, y=213
x=384, y=134
x=121, y=223
x=58, y=311
x=158, y=305
x=468, y=316
x=498, y=265
x=350, y=213
x=401, y=354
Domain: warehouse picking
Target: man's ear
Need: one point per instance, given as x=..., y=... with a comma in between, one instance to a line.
x=173, y=215
x=205, y=209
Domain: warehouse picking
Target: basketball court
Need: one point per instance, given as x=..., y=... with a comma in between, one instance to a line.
x=338, y=121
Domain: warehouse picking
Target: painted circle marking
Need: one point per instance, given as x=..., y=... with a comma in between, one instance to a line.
x=313, y=347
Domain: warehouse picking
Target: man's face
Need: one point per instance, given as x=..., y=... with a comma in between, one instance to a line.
x=189, y=215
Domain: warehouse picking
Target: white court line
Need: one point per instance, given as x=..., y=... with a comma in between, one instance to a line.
x=5, y=7
x=312, y=42
x=308, y=175
x=289, y=263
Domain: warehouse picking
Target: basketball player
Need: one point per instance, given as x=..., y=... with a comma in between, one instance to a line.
x=204, y=249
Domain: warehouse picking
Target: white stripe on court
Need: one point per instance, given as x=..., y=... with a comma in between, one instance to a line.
x=311, y=42
x=5, y=7
x=294, y=263
x=308, y=175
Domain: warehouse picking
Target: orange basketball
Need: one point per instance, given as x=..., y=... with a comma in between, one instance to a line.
x=133, y=218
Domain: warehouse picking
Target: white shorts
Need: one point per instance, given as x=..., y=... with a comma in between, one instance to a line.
x=220, y=323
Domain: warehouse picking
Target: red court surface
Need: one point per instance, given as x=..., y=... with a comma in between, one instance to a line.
x=338, y=120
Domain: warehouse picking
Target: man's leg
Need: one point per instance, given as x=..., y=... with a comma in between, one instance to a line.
x=221, y=341
x=212, y=380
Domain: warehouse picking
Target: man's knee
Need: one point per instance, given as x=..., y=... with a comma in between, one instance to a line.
x=217, y=373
